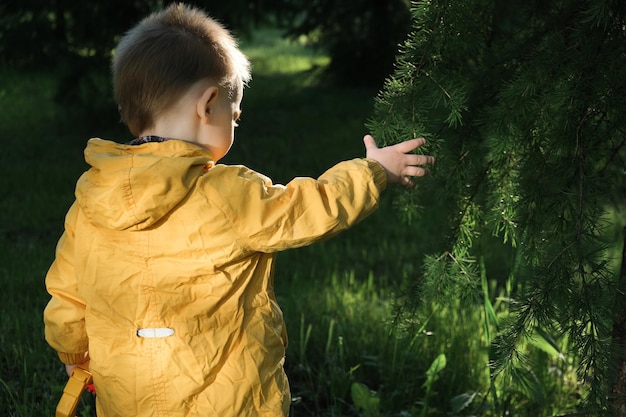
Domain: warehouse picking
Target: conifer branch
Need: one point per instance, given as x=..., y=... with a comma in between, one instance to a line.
x=542, y=132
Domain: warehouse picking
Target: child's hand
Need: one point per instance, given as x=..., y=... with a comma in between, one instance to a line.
x=70, y=368
x=398, y=163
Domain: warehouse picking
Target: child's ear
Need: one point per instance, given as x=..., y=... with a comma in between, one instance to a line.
x=206, y=103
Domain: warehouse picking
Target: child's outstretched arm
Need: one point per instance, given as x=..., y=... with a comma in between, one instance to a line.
x=398, y=163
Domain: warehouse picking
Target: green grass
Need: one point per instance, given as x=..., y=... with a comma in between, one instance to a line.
x=338, y=296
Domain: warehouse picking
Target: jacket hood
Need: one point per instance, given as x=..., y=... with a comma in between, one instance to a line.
x=131, y=187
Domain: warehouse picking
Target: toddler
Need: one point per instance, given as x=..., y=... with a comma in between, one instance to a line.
x=163, y=275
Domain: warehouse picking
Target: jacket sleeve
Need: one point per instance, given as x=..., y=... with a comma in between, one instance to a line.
x=64, y=316
x=271, y=218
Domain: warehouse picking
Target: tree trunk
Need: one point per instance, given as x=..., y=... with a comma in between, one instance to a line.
x=618, y=390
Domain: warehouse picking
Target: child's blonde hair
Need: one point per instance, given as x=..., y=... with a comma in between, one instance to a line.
x=158, y=60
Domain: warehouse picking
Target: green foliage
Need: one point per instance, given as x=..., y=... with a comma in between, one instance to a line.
x=76, y=40
x=40, y=32
x=522, y=104
x=360, y=36
x=432, y=375
x=364, y=400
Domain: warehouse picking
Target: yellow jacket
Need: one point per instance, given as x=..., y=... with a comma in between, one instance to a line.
x=160, y=237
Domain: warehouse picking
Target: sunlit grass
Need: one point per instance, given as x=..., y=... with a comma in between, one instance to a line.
x=271, y=53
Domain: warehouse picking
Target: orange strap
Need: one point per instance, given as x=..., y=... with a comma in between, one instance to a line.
x=74, y=388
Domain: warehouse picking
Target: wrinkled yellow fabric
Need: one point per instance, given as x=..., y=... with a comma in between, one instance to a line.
x=160, y=236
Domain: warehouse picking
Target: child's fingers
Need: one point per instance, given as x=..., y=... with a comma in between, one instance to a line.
x=406, y=180
x=414, y=165
x=369, y=142
x=413, y=171
x=412, y=159
x=407, y=183
x=409, y=145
